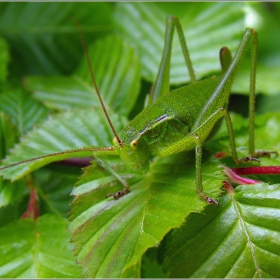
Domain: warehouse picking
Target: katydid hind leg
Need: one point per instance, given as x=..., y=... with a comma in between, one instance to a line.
x=232, y=142
x=253, y=66
x=162, y=83
x=214, y=118
x=252, y=93
x=220, y=96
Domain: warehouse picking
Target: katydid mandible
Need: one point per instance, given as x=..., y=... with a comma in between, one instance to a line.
x=179, y=120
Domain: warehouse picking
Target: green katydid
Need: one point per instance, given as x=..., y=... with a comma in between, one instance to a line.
x=179, y=120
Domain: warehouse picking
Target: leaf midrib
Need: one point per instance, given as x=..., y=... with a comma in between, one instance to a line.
x=249, y=242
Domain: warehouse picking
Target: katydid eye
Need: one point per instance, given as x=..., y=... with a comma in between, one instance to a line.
x=134, y=144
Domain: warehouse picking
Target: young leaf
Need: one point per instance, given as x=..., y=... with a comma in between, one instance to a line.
x=40, y=249
x=238, y=240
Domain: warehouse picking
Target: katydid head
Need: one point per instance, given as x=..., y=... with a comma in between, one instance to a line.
x=134, y=152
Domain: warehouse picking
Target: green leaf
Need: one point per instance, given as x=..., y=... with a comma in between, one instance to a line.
x=8, y=136
x=268, y=104
x=39, y=249
x=24, y=110
x=207, y=28
x=64, y=131
x=45, y=37
x=150, y=265
x=112, y=234
x=267, y=80
x=8, y=214
x=238, y=240
x=4, y=59
x=10, y=192
x=117, y=72
x=55, y=183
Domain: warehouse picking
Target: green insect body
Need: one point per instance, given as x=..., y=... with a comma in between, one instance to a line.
x=179, y=120
x=186, y=117
x=164, y=124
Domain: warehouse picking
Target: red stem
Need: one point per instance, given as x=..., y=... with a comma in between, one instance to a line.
x=257, y=170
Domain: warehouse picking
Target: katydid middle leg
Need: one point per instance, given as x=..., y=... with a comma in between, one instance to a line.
x=108, y=168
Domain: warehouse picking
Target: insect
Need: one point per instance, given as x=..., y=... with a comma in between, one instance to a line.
x=179, y=120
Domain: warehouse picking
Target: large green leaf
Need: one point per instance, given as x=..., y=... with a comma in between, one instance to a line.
x=45, y=37
x=207, y=28
x=110, y=235
x=37, y=249
x=117, y=72
x=238, y=240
